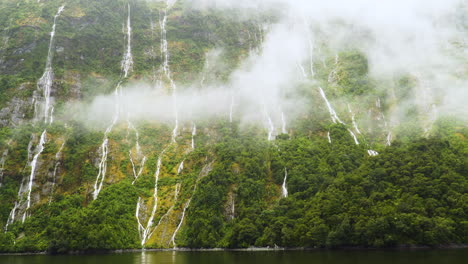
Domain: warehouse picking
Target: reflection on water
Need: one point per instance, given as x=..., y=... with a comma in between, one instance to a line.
x=453, y=256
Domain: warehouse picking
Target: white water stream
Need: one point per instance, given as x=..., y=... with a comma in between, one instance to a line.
x=284, y=189
x=126, y=66
x=333, y=114
x=44, y=84
x=194, y=133
x=58, y=157
x=33, y=165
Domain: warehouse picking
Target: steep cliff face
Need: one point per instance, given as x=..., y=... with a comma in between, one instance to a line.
x=160, y=124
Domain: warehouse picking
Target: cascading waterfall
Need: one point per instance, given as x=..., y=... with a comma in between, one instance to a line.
x=333, y=114
x=137, y=169
x=145, y=233
x=284, y=188
x=194, y=133
x=354, y=136
x=11, y=216
x=180, y=223
x=353, y=120
x=127, y=62
x=165, y=66
x=304, y=74
x=333, y=73
x=180, y=168
x=311, y=47
x=44, y=84
x=39, y=150
x=126, y=67
x=203, y=173
x=389, y=139
x=283, y=123
x=329, y=137
x=58, y=156
x=176, y=197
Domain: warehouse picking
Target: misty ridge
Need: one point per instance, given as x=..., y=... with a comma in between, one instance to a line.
x=424, y=41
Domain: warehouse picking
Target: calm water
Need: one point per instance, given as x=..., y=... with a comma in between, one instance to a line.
x=454, y=256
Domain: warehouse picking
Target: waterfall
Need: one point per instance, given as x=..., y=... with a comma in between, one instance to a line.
x=58, y=156
x=389, y=139
x=33, y=165
x=137, y=169
x=283, y=124
x=127, y=61
x=354, y=136
x=176, y=197
x=180, y=168
x=353, y=120
x=136, y=174
x=145, y=231
x=165, y=66
x=180, y=223
x=329, y=137
x=333, y=114
x=44, y=84
x=284, y=188
x=11, y=216
x=194, y=133
x=311, y=47
x=102, y=168
x=304, y=74
x=126, y=66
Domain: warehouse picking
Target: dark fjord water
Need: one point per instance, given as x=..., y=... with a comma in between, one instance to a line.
x=455, y=256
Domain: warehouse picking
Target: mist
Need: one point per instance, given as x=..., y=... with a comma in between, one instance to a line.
x=421, y=38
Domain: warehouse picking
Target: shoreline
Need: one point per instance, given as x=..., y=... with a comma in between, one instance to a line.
x=250, y=249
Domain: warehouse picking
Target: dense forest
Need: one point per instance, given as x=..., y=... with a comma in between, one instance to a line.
x=338, y=173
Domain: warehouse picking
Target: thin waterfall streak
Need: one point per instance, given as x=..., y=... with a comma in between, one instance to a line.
x=166, y=68
x=354, y=136
x=333, y=114
x=194, y=133
x=283, y=123
x=353, y=120
x=127, y=62
x=33, y=165
x=58, y=156
x=389, y=139
x=180, y=223
x=284, y=188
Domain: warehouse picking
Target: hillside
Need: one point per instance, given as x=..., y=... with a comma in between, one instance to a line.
x=163, y=124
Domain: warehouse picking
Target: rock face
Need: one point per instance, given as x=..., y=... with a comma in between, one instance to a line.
x=17, y=109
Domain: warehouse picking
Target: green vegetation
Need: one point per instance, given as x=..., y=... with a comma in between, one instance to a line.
x=415, y=192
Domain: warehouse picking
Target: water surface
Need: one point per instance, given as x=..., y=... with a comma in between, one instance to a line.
x=452, y=256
